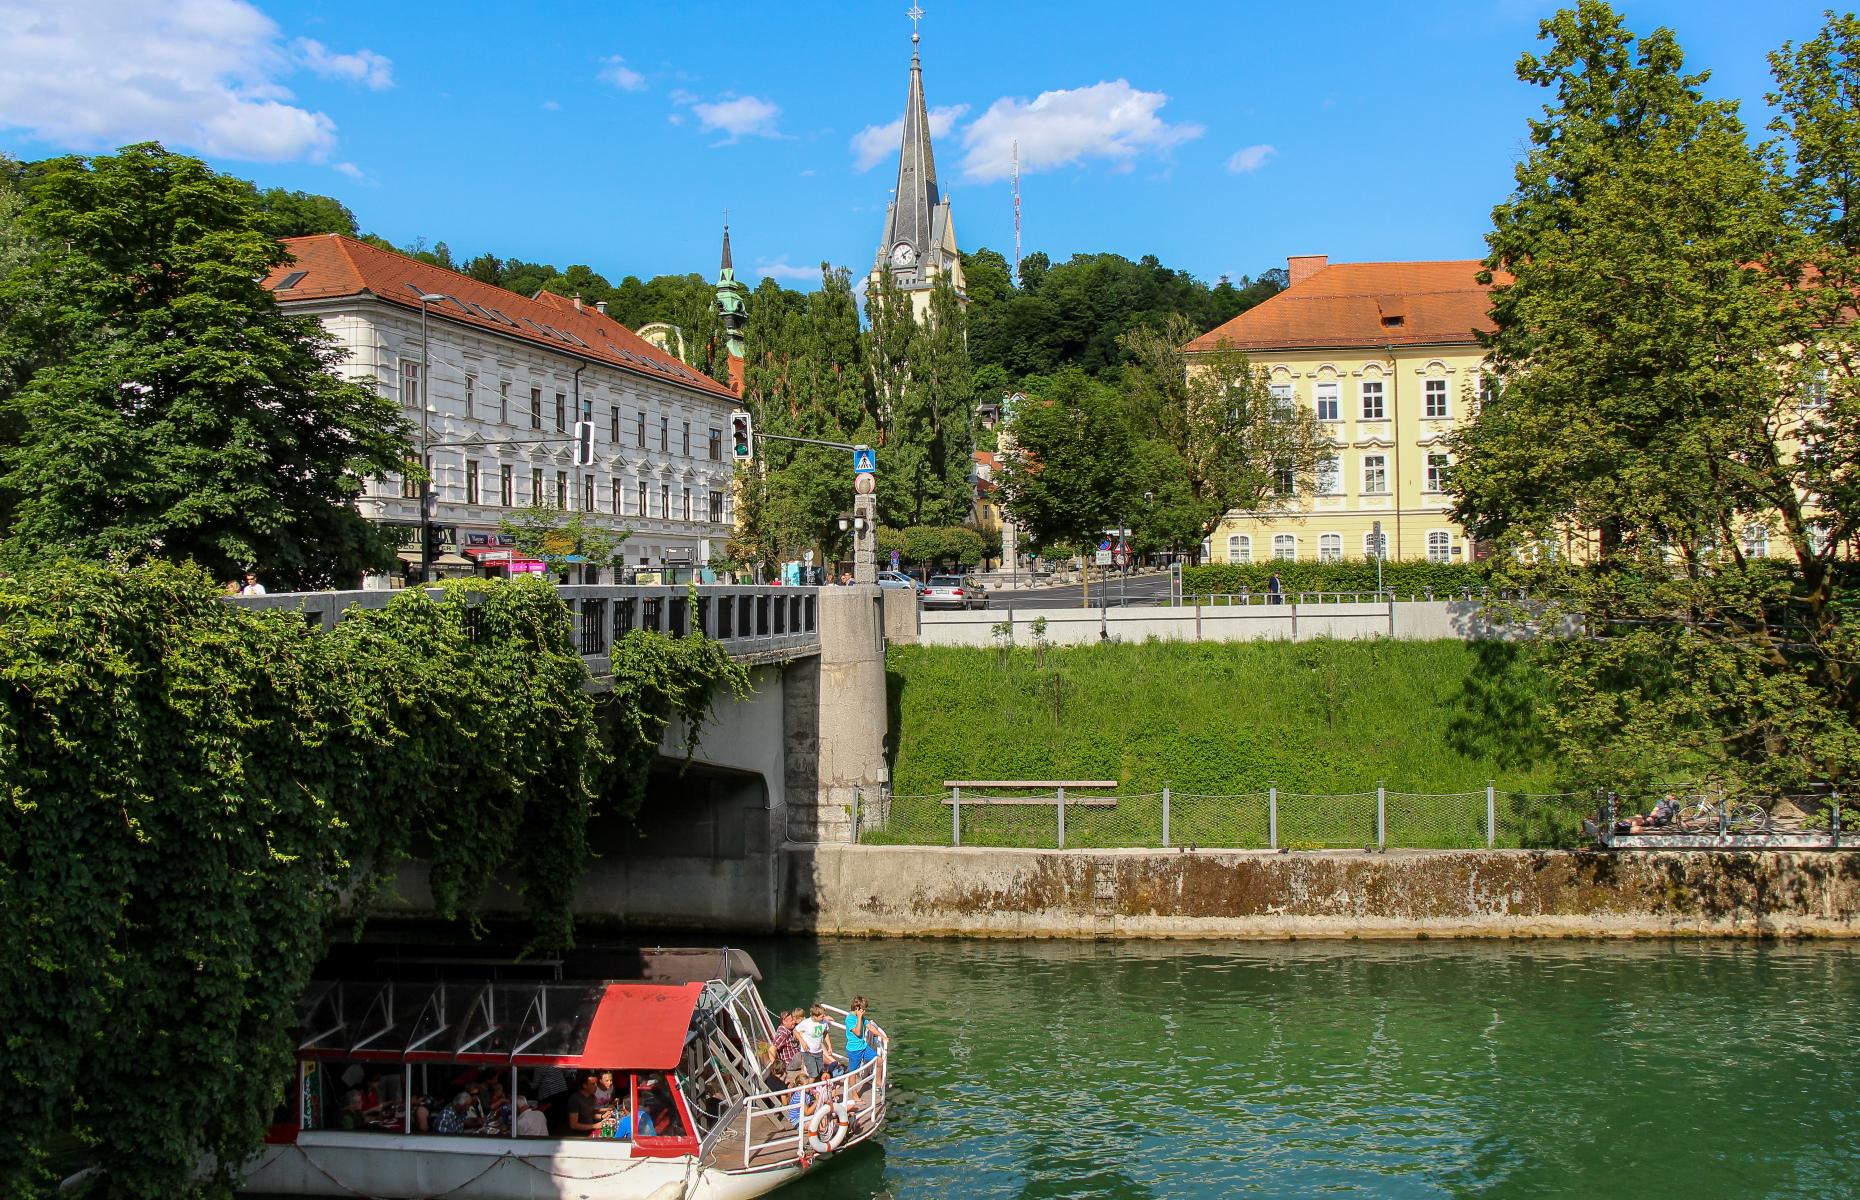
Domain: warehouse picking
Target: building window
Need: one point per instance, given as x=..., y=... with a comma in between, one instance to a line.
x=1434, y=399
x=642, y=499
x=1330, y=547
x=561, y=412
x=587, y=493
x=561, y=489
x=410, y=396
x=1283, y=403
x=1375, y=475
x=642, y=429
x=587, y=409
x=1488, y=387
x=665, y=434
x=471, y=482
x=1439, y=546
x=409, y=481
x=535, y=408
x=716, y=445
x=1328, y=406
x=619, y=496
x=1330, y=476
x=1372, y=400
x=687, y=440
x=613, y=428
x=687, y=504
x=506, y=487
x=1285, y=547
x=1756, y=541
x=665, y=502
x=1239, y=548
x=1284, y=480
x=536, y=487
x=1439, y=470
x=716, y=508
x=503, y=402
x=471, y=393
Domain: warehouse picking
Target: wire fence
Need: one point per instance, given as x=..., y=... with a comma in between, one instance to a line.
x=1268, y=820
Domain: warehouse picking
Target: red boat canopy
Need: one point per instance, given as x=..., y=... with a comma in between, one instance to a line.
x=622, y=1026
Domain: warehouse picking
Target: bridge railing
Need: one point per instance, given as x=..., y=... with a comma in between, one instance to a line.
x=752, y=622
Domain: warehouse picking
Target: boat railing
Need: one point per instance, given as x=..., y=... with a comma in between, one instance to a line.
x=774, y=1120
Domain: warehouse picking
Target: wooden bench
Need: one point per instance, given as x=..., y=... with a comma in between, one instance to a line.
x=1051, y=785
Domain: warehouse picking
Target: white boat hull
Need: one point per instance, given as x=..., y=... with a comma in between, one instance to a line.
x=398, y=1167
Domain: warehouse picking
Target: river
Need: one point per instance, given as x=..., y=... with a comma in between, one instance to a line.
x=1411, y=1069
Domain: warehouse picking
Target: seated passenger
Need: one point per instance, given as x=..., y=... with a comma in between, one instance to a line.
x=457, y=1116
x=530, y=1121
x=584, y=1111
x=351, y=1118
x=625, y=1127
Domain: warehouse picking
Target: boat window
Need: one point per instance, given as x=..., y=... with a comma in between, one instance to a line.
x=354, y=1097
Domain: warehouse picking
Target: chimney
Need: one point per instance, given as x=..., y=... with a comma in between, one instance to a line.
x=600, y=306
x=1300, y=267
x=577, y=303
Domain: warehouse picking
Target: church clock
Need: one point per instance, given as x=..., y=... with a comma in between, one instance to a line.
x=903, y=255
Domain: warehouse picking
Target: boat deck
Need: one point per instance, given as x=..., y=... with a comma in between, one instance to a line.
x=776, y=1135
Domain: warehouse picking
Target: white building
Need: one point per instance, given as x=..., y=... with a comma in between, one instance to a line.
x=504, y=369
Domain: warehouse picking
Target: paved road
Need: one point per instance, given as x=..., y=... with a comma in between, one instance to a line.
x=1136, y=590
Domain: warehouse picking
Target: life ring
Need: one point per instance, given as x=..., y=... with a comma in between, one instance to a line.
x=826, y=1129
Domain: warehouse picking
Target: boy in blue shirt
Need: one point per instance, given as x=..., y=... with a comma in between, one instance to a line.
x=858, y=1046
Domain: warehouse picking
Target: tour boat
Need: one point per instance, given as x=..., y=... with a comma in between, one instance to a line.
x=694, y=1056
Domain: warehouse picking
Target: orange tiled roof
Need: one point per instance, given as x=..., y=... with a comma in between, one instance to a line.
x=1346, y=304
x=334, y=266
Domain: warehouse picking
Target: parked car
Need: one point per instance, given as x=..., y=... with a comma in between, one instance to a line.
x=898, y=579
x=953, y=591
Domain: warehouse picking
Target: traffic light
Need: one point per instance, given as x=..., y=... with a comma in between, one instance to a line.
x=584, y=443
x=434, y=536
x=742, y=437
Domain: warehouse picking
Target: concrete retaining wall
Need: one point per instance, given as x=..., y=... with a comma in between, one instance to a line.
x=908, y=890
x=1410, y=620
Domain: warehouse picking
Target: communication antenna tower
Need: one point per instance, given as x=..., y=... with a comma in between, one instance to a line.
x=1017, y=212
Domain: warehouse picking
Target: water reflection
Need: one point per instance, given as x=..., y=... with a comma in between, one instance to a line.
x=1058, y=1069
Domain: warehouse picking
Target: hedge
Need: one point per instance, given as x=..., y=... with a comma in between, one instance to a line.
x=1352, y=576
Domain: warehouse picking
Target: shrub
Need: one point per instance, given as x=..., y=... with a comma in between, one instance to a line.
x=1354, y=576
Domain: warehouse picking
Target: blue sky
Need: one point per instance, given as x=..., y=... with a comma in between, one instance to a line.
x=1219, y=137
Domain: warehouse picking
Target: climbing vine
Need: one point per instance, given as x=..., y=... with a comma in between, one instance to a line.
x=190, y=792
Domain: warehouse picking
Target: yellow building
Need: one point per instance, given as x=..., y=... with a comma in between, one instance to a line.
x=1385, y=355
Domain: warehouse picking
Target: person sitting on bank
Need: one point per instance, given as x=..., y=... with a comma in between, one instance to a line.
x=1660, y=816
x=584, y=1110
x=457, y=1116
x=530, y=1120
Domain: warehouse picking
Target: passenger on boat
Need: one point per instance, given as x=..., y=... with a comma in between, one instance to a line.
x=858, y=1044
x=530, y=1120
x=604, y=1088
x=816, y=1041
x=623, y=1125
x=787, y=1049
x=457, y=1116
x=584, y=1111
x=551, y=1088
x=351, y=1117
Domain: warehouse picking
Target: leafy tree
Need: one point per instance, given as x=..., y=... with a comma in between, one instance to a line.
x=1235, y=449
x=294, y=214
x=1663, y=327
x=178, y=413
x=553, y=537
x=1070, y=475
x=926, y=435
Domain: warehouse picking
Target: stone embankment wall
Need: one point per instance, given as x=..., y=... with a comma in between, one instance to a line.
x=923, y=891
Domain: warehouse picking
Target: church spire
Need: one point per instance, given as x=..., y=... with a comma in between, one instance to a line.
x=920, y=239
x=727, y=264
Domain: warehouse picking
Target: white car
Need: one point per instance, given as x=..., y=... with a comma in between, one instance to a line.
x=899, y=580
x=953, y=591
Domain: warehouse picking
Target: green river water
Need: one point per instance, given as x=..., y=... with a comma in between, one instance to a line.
x=1412, y=1069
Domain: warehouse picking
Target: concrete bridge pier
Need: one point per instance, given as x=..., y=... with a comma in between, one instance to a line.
x=836, y=745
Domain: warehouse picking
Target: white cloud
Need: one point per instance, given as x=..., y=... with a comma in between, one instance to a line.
x=781, y=268
x=875, y=143
x=740, y=117
x=364, y=66
x=91, y=74
x=350, y=169
x=1250, y=159
x=1105, y=120
x=615, y=71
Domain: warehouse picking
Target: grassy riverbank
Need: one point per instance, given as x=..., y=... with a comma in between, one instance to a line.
x=1213, y=720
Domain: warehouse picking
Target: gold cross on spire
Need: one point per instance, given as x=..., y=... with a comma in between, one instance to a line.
x=916, y=14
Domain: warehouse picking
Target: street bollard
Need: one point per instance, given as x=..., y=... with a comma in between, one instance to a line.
x=1165, y=816
x=1382, y=841
x=1062, y=818
x=1272, y=817
x=1491, y=813
x=955, y=817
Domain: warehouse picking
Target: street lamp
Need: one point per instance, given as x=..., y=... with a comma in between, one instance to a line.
x=426, y=466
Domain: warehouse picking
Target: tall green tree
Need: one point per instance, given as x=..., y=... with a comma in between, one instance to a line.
x=1672, y=401
x=928, y=433
x=178, y=413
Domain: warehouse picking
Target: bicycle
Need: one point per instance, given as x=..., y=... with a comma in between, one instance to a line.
x=1725, y=816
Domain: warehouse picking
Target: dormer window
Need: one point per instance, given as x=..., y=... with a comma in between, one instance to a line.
x=1391, y=322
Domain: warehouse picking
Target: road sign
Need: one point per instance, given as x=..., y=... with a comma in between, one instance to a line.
x=1103, y=558
x=894, y=560
x=864, y=483
x=807, y=556
x=865, y=460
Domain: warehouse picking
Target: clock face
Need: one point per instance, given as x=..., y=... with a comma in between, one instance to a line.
x=902, y=255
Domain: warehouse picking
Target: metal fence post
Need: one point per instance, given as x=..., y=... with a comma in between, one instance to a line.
x=1491, y=813
x=1062, y=818
x=1835, y=824
x=955, y=816
x=1165, y=816
x=1382, y=831
x=1272, y=817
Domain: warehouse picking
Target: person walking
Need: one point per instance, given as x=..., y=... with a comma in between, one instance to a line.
x=1275, y=589
x=252, y=586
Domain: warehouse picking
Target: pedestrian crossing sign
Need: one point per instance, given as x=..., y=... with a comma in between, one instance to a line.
x=865, y=460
